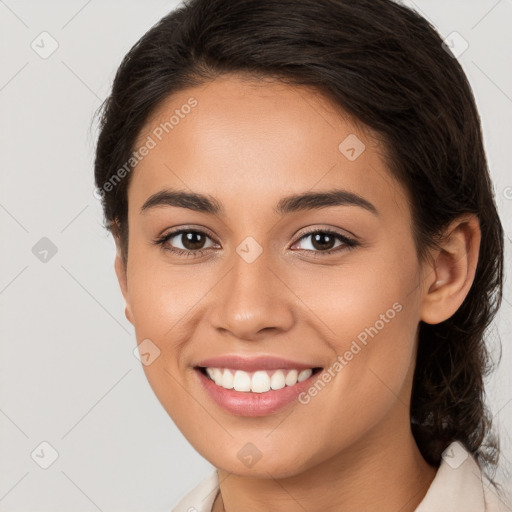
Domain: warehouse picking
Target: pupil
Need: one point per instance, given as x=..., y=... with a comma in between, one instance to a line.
x=318, y=245
x=191, y=242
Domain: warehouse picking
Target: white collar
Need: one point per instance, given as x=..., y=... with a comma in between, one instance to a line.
x=457, y=486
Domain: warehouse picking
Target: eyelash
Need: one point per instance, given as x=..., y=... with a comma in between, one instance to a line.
x=349, y=243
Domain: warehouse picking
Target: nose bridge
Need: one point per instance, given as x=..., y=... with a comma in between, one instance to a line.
x=251, y=297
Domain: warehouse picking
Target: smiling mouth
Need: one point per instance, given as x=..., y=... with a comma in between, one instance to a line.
x=260, y=381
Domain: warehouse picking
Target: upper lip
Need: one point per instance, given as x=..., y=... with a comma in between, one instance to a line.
x=254, y=363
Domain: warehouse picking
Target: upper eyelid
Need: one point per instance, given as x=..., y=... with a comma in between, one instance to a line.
x=334, y=231
x=186, y=229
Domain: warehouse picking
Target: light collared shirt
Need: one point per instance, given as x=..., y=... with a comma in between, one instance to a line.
x=457, y=487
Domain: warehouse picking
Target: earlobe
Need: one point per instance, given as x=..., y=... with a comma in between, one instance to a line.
x=453, y=270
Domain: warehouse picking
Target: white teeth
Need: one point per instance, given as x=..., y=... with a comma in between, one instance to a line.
x=304, y=374
x=242, y=381
x=259, y=381
x=277, y=381
x=291, y=377
x=217, y=376
x=227, y=379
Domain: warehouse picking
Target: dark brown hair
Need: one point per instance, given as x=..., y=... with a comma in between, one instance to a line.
x=386, y=66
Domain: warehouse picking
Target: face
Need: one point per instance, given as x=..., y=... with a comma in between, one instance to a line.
x=254, y=270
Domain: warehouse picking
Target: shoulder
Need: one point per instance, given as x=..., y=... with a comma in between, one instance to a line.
x=460, y=485
x=201, y=497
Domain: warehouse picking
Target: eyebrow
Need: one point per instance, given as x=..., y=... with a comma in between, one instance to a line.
x=290, y=204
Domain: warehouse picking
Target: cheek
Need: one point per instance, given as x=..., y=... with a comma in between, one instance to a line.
x=368, y=313
x=162, y=301
x=375, y=289
x=161, y=296
x=168, y=304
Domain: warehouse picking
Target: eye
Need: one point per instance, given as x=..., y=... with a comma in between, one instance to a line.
x=188, y=242
x=192, y=242
x=323, y=241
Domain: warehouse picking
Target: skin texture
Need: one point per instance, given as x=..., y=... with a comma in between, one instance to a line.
x=248, y=144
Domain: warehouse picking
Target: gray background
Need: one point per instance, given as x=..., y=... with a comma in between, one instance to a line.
x=68, y=375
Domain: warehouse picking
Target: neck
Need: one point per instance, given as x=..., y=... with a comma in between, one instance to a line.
x=377, y=473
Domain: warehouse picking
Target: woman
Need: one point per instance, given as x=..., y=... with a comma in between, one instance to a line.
x=309, y=251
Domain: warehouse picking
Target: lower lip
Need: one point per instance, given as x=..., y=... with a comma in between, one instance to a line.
x=253, y=404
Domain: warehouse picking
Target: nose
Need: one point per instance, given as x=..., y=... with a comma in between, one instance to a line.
x=252, y=300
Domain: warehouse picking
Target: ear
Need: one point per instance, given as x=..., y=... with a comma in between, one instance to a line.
x=120, y=268
x=452, y=270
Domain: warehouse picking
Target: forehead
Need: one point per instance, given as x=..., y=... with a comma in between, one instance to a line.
x=250, y=140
